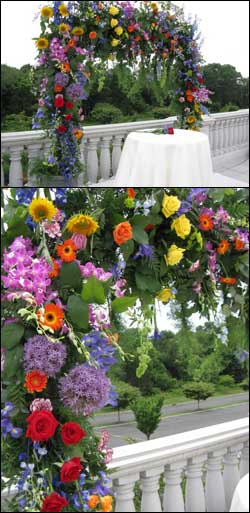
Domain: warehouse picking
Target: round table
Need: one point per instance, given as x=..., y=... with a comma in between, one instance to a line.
x=179, y=160
x=240, y=502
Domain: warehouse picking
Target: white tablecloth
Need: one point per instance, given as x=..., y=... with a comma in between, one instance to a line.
x=183, y=159
x=240, y=502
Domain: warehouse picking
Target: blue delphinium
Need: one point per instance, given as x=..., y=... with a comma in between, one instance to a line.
x=145, y=251
x=100, y=350
x=24, y=195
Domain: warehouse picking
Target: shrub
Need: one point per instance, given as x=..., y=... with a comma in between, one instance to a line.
x=161, y=112
x=198, y=390
x=125, y=395
x=229, y=107
x=16, y=123
x=147, y=412
x=245, y=384
x=105, y=113
x=226, y=381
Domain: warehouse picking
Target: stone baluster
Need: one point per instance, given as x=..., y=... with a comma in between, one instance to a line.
x=16, y=172
x=173, y=496
x=150, y=490
x=227, y=125
x=195, y=496
x=34, y=151
x=215, y=494
x=105, y=161
x=246, y=137
x=244, y=462
x=221, y=137
x=92, y=160
x=116, y=154
x=216, y=138
x=235, y=133
x=212, y=137
x=231, y=135
x=231, y=473
x=82, y=177
x=2, y=173
x=124, y=493
x=242, y=131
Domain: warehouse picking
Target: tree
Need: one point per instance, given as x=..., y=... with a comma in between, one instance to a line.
x=200, y=391
x=126, y=394
x=226, y=83
x=147, y=412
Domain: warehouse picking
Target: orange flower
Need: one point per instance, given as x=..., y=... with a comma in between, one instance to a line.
x=78, y=134
x=167, y=35
x=113, y=338
x=58, y=88
x=35, y=381
x=65, y=67
x=137, y=38
x=55, y=269
x=93, y=501
x=228, y=281
x=106, y=503
x=206, y=223
x=123, y=233
x=188, y=92
x=67, y=250
x=71, y=43
x=131, y=193
x=223, y=247
x=238, y=244
x=164, y=55
x=131, y=28
x=190, y=99
x=92, y=35
x=52, y=316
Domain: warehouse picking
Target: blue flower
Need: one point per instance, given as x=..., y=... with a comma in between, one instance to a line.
x=16, y=432
x=198, y=194
x=22, y=456
x=185, y=207
x=145, y=250
x=25, y=195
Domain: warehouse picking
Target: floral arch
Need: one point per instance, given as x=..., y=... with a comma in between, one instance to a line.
x=78, y=36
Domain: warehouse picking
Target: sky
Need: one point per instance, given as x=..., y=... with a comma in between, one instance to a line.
x=224, y=25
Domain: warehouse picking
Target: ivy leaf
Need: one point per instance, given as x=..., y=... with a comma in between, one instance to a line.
x=78, y=311
x=11, y=335
x=70, y=275
x=121, y=304
x=139, y=235
x=93, y=291
x=127, y=249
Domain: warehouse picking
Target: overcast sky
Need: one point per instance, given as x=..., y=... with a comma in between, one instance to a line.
x=224, y=25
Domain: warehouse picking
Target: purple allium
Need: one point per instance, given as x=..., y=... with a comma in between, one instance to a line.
x=61, y=79
x=84, y=389
x=75, y=92
x=100, y=349
x=45, y=356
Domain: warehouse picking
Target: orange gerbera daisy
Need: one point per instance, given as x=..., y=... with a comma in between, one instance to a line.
x=206, y=223
x=35, y=381
x=58, y=88
x=65, y=67
x=228, y=281
x=71, y=43
x=78, y=134
x=223, y=247
x=52, y=316
x=55, y=269
x=67, y=250
x=131, y=193
x=239, y=244
x=92, y=35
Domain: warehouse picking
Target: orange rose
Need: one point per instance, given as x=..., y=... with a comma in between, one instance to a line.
x=71, y=43
x=123, y=233
x=92, y=35
x=190, y=99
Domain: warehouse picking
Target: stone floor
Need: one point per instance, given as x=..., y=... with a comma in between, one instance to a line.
x=239, y=171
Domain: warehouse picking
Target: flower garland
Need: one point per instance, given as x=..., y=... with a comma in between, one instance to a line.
x=77, y=35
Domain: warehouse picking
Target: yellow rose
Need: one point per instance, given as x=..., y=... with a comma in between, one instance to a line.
x=170, y=205
x=113, y=11
x=119, y=31
x=114, y=23
x=165, y=295
x=175, y=255
x=182, y=226
x=115, y=42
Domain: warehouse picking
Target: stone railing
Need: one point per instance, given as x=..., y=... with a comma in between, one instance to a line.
x=193, y=471
x=102, y=145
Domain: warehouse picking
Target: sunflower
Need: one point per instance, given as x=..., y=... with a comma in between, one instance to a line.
x=190, y=120
x=77, y=31
x=41, y=209
x=63, y=27
x=63, y=10
x=206, y=223
x=47, y=12
x=52, y=316
x=83, y=224
x=223, y=247
x=42, y=43
x=35, y=381
x=67, y=251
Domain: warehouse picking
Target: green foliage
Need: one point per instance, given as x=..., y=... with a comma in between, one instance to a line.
x=230, y=107
x=16, y=123
x=226, y=381
x=229, y=87
x=78, y=312
x=11, y=334
x=93, y=291
x=147, y=412
x=70, y=276
x=125, y=395
x=106, y=113
x=162, y=112
x=198, y=391
x=245, y=384
x=121, y=304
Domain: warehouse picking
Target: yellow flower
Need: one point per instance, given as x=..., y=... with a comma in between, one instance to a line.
x=182, y=226
x=191, y=120
x=115, y=42
x=111, y=57
x=113, y=11
x=170, y=205
x=41, y=209
x=47, y=12
x=119, y=31
x=175, y=255
x=77, y=31
x=83, y=224
x=154, y=6
x=197, y=108
x=42, y=43
x=63, y=10
x=63, y=27
x=165, y=295
x=114, y=23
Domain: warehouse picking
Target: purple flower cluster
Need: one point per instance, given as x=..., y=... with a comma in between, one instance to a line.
x=57, y=51
x=89, y=270
x=24, y=271
x=84, y=389
x=198, y=194
x=75, y=92
x=145, y=251
x=47, y=357
x=202, y=95
x=61, y=79
x=100, y=350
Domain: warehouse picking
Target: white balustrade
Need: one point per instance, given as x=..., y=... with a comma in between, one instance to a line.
x=102, y=145
x=124, y=492
x=173, y=497
x=244, y=462
x=195, y=495
x=215, y=494
x=231, y=473
x=150, y=490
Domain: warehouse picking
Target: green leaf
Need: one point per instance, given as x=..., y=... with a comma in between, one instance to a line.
x=127, y=249
x=78, y=312
x=93, y=291
x=121, y=304
x=147, y=282
x=226, y=310
x=11, y=335
x=13, y=360
x=139, y=235
x=70, y=275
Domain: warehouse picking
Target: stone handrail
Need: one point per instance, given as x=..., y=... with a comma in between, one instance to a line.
x=207, y=463
x=102, y=145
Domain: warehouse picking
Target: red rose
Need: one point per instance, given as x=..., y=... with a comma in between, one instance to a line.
x=68, y=117
x=72, y=433
x=54, y=502
x=41, y=425
x=69, y=105
x=59, y=101
x=71, y=470
x=200, y=80
x=154, y=38
x=62, y=129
